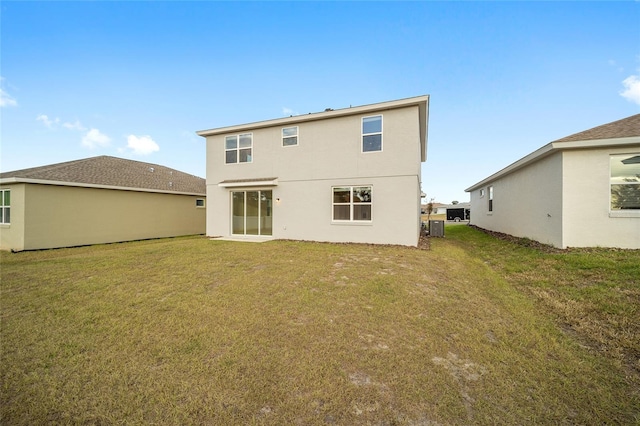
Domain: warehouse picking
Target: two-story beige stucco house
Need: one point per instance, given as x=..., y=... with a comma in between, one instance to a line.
x=347, y=175
x=579, y=191
x=97, y=200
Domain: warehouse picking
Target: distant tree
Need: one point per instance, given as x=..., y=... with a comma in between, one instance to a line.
x=429, y=208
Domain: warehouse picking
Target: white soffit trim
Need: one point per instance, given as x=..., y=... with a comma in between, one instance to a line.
x=545, y=150
x=238, y=183
x=91, y=185
x=421, y=101
x=558, y=146
x=598, y=143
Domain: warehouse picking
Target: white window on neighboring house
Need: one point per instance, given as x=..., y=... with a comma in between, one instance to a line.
x=352, y=203
x=482, y=193
x=200, y=202
x=290, y=136
x=5, y=206
x=490, y=189
x=238, y=148
x=372, y=133
x=625, y=181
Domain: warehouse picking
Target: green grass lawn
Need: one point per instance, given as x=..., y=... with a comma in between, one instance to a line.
x=192, y=331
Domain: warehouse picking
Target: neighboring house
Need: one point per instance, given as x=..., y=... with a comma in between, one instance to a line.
x=348, y=175
x=97, y=200
x=441, y=209
x=434, y=208
x=579, y=191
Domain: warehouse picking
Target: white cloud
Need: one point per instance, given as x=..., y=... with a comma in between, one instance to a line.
x=94, y=139
x=631, y=90
x=288, y=111
x=142, y=145
x=6, y=100
x=50, y=123
x=74, y=126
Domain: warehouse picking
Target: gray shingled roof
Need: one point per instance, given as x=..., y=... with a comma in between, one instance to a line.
x=627, y=127
x=117, y=172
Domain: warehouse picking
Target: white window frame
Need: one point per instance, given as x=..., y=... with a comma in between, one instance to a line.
x=481, y=192
x=297, y=136
x=204, y=203
x=621, y=212
x=351, y=205
x=237, y=149
x=5, y=208
x=381, y=132
x=244, y=191
x=490, y=201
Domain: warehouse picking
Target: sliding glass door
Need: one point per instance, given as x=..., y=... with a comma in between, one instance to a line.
x=251, y=213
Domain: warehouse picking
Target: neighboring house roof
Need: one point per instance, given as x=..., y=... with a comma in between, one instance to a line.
x=111, y=172
x=627, y=127
x=422, y=102
x=434, y=205
x=624, y=132
x=464, y=205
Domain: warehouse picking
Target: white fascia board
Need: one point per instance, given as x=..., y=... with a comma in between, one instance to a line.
x=598, y=143
x=91, y=185
x=633, y=141
x=286, y=121
x=248, y=184
x=534, y=156
x=423, y=111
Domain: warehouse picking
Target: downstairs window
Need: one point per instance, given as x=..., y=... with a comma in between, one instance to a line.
x=352, y=203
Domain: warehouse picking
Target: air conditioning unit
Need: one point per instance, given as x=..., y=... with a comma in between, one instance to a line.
x=436, y=228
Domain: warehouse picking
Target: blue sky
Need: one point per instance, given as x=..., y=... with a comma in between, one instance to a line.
x=138, y=79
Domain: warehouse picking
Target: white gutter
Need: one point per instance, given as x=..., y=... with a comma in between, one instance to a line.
x=248, y=183
x=318, y=115
x=554, y=147
x=91, y=185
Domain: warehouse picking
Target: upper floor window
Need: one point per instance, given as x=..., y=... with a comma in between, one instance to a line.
x=352, y=203
x=481, y=192
x=490, y=198
x=625, y=181
x=290, y=136
x=5, y=206
x=372, y=133
x=238, y=148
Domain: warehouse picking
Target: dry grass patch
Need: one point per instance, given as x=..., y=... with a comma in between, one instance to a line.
x=594, y=293
x=192, y=331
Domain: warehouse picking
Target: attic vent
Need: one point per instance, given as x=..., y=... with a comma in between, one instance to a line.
x=151, y=169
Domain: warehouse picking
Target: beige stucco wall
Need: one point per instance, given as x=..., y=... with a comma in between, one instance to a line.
x=63, y=216
x=12, y=235
x=587, y=221
x=526, y=203
x=304, y=212
x=328, y=154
